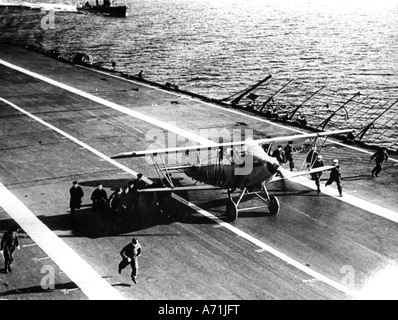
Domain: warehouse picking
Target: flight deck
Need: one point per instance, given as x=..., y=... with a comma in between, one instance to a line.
x=61, y=122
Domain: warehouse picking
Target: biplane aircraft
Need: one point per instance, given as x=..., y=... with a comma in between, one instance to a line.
x=237, y=165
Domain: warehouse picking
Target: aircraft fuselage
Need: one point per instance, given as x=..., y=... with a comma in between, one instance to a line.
x=233, y=171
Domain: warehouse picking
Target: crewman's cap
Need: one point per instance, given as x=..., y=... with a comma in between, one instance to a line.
x=134, y=240
x=74, y=182
x=279, y=146
x=319, y=157
x=335, y=161
x=139, y=175
x=290, y=142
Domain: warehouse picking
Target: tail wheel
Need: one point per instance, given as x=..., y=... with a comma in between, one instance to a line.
x=231, y=211
x=274, y=205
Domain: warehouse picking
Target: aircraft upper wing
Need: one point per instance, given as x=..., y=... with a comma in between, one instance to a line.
x=209, y=147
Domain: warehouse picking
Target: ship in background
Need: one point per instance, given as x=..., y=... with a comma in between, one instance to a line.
x=106, y=8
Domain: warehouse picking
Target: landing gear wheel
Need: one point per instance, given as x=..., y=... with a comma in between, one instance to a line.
x=274, y=205
x=231, y=211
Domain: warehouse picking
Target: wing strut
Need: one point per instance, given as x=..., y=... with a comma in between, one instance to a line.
x=311, y=159
x=163, y=173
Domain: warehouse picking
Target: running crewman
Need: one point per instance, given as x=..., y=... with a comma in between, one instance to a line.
x=335, y=176
x=130, y=254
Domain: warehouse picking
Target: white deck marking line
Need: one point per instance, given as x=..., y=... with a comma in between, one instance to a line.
x=78, y=270
x=77, y=141
x=110, y=104
x=271, y=250
x=185, y=96
x=354, y=201
x=52, y=248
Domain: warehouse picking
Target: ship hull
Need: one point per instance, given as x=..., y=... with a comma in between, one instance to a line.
x=117, y=11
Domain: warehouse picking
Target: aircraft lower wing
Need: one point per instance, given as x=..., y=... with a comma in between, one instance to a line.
x=188, y=188
x=286, y=175
x=290, y=175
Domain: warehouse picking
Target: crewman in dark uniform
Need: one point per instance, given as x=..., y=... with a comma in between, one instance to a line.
x=335, y=176
x=115, y=203
x=100, y=199
x=289, y=150
x=139, y=183
x=379, y=156
x=316, y=176
x=116, y=207
x=301, y=120
x=279, y=154
x=9, y=242
x=76, y=195
x=130, y=254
